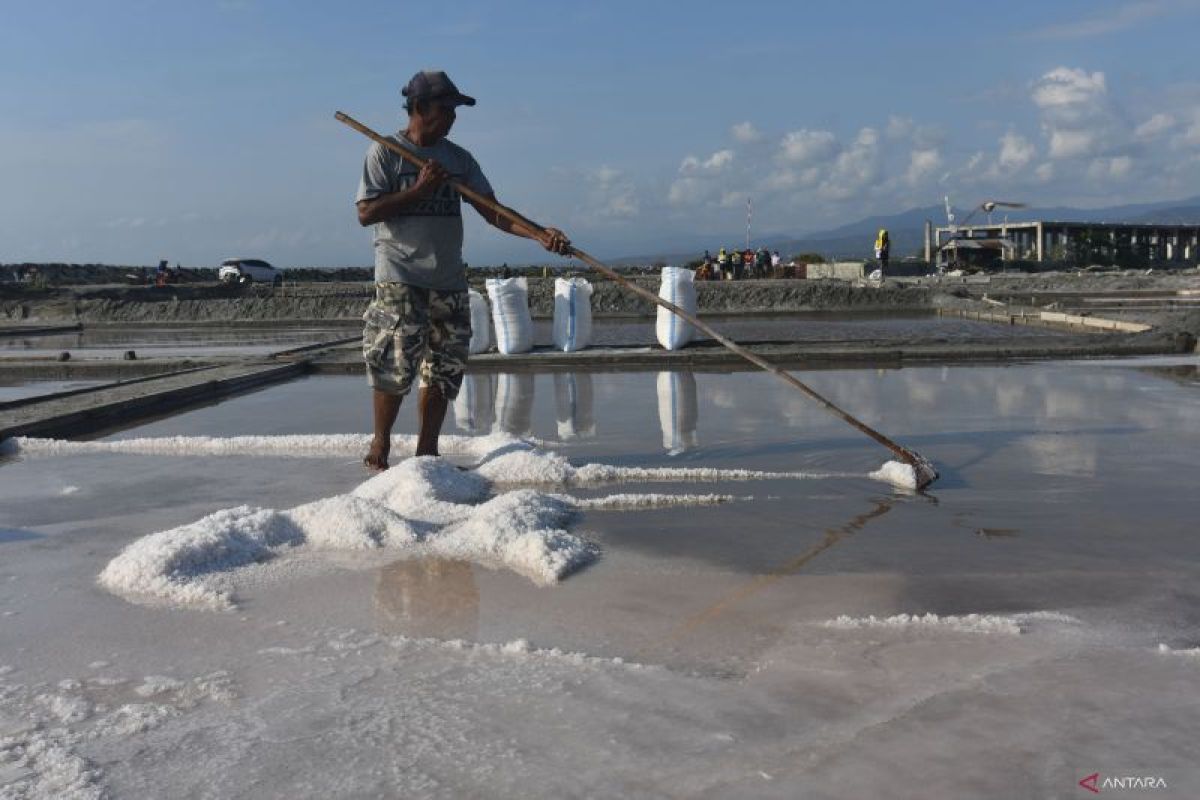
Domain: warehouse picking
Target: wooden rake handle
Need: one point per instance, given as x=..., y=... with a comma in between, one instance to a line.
x=538, y=232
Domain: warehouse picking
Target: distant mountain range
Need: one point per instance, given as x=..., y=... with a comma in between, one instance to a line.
x=906, y=229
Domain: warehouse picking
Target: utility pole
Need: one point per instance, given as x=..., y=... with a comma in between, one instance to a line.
x=749, y=214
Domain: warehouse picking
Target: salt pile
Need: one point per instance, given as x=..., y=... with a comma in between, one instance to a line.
x=1010, y=624
x=423, y=506
x=497, y=515
x=898, y=474
x=502, y=459
x=281, y=445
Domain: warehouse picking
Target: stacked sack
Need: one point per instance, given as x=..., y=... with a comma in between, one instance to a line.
x=678, y=287
x=572, y=314
x=510, y=313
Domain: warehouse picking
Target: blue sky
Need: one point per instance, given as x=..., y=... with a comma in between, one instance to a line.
x=193, y=131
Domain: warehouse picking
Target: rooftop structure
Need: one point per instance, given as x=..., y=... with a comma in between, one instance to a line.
x=1084, y=242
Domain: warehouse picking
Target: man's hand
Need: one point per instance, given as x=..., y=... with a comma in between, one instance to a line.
x=431, y=176
x=556, y=241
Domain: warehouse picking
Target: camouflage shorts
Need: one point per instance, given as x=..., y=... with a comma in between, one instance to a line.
x=406, y=326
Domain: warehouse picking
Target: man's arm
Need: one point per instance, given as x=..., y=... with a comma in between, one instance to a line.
x=392, y=204
x=555, y=240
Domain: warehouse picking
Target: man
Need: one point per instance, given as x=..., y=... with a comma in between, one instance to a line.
x=421, y=313
x=883, y=247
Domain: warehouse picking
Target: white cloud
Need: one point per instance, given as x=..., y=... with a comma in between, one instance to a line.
x=717, y=162
x=1087, y=149
x=855, y=168
x=611, y=194
x=1191, y=135
x=804, y=146
x=1016, y=152
x=1076, y=115
x=921, y=164
x=734, y=199
x=1071, y=143
x=1155, y=126
x=1117, y=20
x=745, y=132
x=1110, y=168
x=899, y=127
x=1063, y=88
x=686, y=192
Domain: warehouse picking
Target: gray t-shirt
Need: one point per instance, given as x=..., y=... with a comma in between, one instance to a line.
x=422, y=246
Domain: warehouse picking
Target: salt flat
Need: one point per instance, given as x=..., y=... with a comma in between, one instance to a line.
x=815, y=632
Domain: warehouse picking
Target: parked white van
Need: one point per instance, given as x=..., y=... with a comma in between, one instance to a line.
x=248, y=270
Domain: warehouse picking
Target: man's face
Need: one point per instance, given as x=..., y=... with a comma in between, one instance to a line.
x=441, y=117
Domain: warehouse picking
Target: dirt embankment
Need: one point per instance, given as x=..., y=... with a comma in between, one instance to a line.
x=337, y=302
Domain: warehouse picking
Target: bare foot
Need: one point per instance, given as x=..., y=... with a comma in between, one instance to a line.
x=376, y=459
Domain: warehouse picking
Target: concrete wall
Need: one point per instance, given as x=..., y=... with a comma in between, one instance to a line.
x=842, y=270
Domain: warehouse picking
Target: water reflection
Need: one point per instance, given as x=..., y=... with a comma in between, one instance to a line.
x=474, y=408
x=514, y=403
x=677, y=411
x=431, y=597
x=1048, y=412
x=715, y=613
x=574, y=405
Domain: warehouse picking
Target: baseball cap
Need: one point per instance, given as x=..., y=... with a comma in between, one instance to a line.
x=435, y=85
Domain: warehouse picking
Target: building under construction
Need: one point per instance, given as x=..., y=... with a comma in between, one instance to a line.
x=1081, y=243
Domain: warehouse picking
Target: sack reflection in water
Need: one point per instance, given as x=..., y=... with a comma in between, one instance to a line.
x=474, y=408
x=677, y=411
x=514, y=403
x=573, y=405
x=428, y=598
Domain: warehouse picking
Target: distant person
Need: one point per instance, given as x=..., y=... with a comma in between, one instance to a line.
x=883, y=246
x=421, y=314
x=723, y=263
x=762, y=262
x=775, y=262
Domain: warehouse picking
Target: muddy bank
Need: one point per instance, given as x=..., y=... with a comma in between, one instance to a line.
x=346, y=301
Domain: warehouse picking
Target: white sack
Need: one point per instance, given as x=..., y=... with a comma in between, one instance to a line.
x=678, y=287
x=481, y=324
x=510, y=312
x=572, y=314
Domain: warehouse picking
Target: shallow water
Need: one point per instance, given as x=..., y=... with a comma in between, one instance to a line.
x=1065, y=515
x=1062, y=459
